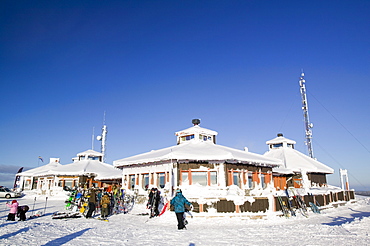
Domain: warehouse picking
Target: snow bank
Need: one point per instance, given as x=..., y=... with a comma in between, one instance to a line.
x=345, y=225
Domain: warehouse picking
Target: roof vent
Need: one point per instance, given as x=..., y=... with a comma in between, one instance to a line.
x=195, y=122
x=279, y=134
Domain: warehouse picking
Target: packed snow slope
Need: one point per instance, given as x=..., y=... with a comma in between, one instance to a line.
x=345, y=225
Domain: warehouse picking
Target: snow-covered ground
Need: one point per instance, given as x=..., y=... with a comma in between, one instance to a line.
x=345, y=225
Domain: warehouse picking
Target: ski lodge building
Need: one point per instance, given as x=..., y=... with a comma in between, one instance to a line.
x=223, y=179
x=86, y=170
x=305, y=172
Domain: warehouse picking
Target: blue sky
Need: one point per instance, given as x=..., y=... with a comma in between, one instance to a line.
x=153, y=66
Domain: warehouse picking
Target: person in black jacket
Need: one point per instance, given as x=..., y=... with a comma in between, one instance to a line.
x=92, y=203
x=21, y=213
x=153, y=202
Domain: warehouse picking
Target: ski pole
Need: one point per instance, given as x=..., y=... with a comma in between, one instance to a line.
x=45, y=204
x=33, y=208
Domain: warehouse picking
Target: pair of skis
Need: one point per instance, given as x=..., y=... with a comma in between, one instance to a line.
x=284, y=207
x=288, y=208
x=39, y=213
x=301, y=205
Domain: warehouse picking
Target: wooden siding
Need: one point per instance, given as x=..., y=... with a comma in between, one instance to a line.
x=321, y=200
x=224, y=206
x=259, y=205
x=317, y=178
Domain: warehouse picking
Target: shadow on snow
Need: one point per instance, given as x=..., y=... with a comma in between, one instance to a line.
x=6, y=236
x=342, y=220
x=7, y=223
x=67, y=238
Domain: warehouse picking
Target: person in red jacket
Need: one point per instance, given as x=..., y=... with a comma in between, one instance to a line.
x=13, y=210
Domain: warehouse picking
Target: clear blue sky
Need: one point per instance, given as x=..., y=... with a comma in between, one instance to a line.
x=153, y=66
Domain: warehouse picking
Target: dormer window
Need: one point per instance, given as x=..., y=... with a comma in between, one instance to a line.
x=196, y=133
x=280, y=142
x=187, y=138
x=277, y=145
x=205, y=138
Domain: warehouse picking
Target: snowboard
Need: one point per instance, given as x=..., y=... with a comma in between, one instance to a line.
x=164, y=209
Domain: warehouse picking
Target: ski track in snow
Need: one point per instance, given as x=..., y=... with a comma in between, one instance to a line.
x=345, y=225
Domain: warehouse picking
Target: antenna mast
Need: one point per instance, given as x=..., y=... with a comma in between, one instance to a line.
x=308, y=125
x=103, y=138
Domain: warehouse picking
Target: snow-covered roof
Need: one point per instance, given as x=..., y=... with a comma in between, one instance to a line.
x=86, y=167
x=296, y=161
x=90, y=152
x=282, y=170
x=54, y=163
x=280, y=139
x=198, y=151
x=196, y=129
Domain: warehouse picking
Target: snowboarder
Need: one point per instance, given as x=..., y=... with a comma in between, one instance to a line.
x=105, y=201
x=153, y=202
x=179, y=202
x=21, y=213
x=13, y=210
x=92, y=202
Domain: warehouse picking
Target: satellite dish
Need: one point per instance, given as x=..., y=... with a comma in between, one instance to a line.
x=99, y=138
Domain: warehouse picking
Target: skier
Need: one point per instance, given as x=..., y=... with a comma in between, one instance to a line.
x=21, y=213
x=153, y=202
x=13, y=210
x=105, y=201
x=99, y=196
x=92, y=202
x=179, y=202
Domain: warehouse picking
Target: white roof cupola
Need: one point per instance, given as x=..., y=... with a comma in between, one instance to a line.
x=280, y=142
x=196, y=133
x=89, y=155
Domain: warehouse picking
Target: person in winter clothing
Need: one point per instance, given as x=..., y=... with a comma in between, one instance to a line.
x=22, y=210
x=13, y=210
x=92, y=202
x=179, y=202
x=99, y=196
x=153, y=202
x=105, y=201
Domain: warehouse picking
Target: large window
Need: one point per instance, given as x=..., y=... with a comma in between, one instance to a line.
x=263, y=181
x=185, y=177
x=236, y=178
x=161, y=180
x=199, y=178
x=68, y=184
x=145, y=183
x=131, y=181
x=213, y=178
x=250, y=180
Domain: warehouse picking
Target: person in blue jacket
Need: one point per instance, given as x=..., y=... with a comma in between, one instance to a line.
x=179, y=202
